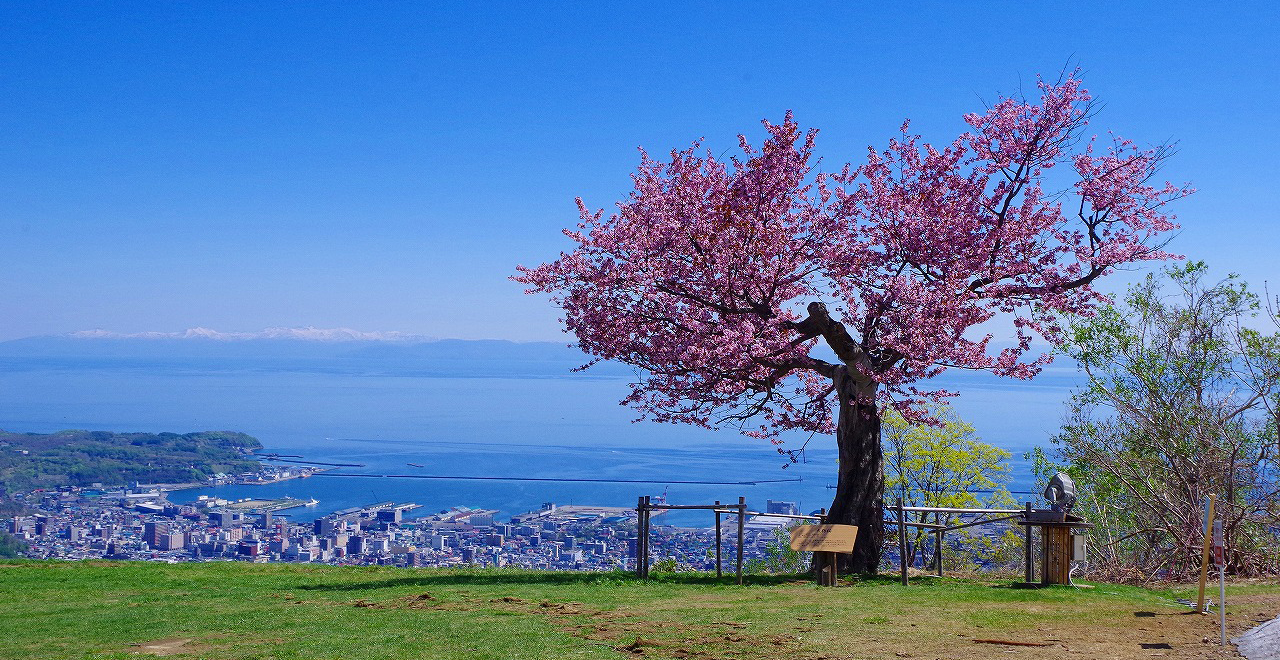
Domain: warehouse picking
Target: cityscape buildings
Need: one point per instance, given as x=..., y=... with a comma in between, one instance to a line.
x=143, y=524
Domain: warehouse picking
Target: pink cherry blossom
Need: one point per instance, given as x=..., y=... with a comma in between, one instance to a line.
x=717, y=278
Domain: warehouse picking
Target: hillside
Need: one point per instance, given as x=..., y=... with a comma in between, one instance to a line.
x=239, y=611
x=82, y=458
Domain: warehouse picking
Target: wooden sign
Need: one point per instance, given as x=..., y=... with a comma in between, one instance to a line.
x=824, y=538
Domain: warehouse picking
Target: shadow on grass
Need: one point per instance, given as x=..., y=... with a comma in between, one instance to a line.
x=555, y=578
x=883, y=579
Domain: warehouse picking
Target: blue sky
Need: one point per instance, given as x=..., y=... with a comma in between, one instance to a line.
x=384, y=166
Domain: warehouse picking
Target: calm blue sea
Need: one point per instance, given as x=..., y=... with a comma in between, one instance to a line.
x=548, y=427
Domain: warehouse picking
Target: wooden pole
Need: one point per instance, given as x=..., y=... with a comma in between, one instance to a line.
x=643, y=539
x=742, y=523
x=647, y=523
x=902, y=541
x=1204, y=552
x=719, y=570
x=641, y=550
x=937, y=548
x=1027, y=549
x=648, y=535
x=824, y=560
x=639, y=536
x=829, y=571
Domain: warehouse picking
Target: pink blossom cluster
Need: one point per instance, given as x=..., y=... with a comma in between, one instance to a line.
x=700, y=278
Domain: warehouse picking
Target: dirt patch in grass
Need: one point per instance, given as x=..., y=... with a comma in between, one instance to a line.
x=206, y=646
x=171, y=646
x=673, y=639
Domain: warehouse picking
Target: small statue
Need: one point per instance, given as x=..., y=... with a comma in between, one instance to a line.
x=1061, y=492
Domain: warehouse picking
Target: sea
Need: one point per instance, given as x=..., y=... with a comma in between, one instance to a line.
x=480, y=438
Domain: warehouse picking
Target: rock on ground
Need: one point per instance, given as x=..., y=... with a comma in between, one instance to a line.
x=1261, y=643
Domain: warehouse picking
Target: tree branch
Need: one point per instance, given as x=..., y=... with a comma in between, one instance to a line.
x=820, y=323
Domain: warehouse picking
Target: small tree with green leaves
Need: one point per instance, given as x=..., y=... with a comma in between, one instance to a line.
x=779, y=558
x=947, y=466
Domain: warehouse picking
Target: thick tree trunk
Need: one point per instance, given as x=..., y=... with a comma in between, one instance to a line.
x=860, y=486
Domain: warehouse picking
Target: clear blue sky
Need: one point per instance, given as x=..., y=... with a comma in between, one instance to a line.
x=384, y=166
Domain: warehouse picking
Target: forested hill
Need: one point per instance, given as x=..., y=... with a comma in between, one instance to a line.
x=82, y=458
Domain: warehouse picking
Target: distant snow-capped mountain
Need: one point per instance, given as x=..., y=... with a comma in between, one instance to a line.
x=331, y=350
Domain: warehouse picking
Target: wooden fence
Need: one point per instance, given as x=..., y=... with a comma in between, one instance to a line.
x=645, y=507
x=939, y=530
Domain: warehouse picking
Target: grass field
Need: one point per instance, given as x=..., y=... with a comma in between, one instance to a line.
x=279, y=611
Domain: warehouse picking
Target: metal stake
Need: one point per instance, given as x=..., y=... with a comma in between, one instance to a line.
x=1222, y=598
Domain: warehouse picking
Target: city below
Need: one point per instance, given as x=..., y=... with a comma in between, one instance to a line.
x=141, y=523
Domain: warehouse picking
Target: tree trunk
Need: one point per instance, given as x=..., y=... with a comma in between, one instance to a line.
x=860, y=484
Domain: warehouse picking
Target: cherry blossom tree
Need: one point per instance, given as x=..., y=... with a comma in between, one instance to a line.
x=719, y=278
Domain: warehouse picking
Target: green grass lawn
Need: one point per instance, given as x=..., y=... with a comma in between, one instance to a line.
x=241, y=611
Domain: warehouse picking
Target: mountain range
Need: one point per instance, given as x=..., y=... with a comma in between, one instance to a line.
x=338, y=350
x=304, y=349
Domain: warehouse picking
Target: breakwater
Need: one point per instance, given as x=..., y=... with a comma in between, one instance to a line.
x=561, y=479
x=285, y=460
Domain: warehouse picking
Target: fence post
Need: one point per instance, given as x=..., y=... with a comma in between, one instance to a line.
x=902, y=541
x=643, y=550
x=1030, y=575
x=937, y=549
x=639, y=536
x=719, y=571
x=648, y=516
x=819, y=558
x=742, y=521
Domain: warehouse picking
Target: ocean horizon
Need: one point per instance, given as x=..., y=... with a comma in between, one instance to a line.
x=471, y=419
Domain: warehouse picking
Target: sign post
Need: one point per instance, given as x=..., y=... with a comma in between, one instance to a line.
x=1204, y=552
x=828, y=540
